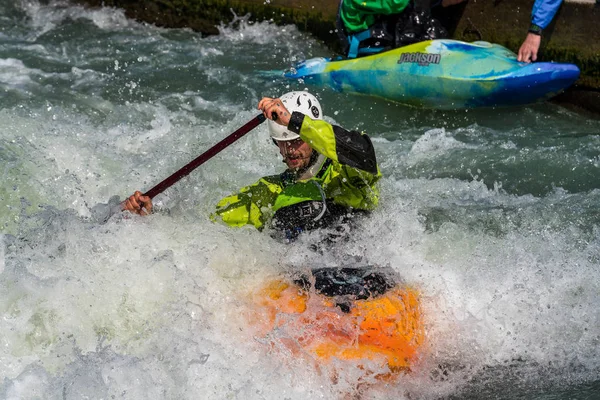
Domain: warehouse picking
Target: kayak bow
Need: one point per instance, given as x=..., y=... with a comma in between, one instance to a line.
x=350, y=314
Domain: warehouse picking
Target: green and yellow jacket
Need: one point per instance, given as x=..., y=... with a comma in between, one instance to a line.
x=358, y=15
x=343, y=176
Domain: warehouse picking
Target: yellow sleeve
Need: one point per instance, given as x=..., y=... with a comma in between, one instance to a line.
x=320, y=136
x=248, y=206
x=350, y=148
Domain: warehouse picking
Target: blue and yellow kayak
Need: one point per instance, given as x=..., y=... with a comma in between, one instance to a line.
x=442, y=74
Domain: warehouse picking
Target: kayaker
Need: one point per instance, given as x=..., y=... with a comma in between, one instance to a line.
x=330, y=176
x=371, y=26
x=541, y=15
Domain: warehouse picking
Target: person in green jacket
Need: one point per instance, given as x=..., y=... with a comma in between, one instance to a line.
x=372, y=26
x=331, y=174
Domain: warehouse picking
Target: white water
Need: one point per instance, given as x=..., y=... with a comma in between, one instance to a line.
x=155, y=307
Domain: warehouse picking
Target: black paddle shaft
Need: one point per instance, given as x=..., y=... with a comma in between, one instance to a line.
x=207, y=155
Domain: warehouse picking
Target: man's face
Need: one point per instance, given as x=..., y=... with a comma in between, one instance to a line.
x=296, y=154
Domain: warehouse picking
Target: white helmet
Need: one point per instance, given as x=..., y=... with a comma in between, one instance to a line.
x=303, y=102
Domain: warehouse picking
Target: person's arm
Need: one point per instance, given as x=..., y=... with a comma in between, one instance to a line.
x=346, y=147
x=541, y=15
x=543, y=12
x=246, y=207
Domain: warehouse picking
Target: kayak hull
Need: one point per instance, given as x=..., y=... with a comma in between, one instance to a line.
x=442, y=74
x=382, y=332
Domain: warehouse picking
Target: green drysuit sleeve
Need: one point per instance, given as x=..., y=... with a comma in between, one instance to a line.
x=359, y=15
x=249, y=205
x=336, y=143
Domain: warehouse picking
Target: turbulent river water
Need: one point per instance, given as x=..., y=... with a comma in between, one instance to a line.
x=494, y=215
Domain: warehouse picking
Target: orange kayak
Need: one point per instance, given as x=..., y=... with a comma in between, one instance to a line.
x=352, y=314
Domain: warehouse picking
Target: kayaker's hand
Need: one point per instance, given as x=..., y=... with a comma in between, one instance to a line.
x=139, y=204
x=529, y=48
x=270, y=106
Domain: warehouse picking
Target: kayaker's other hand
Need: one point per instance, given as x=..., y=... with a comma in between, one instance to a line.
x=271, y=106
x=139, y=204
x=529, y=48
